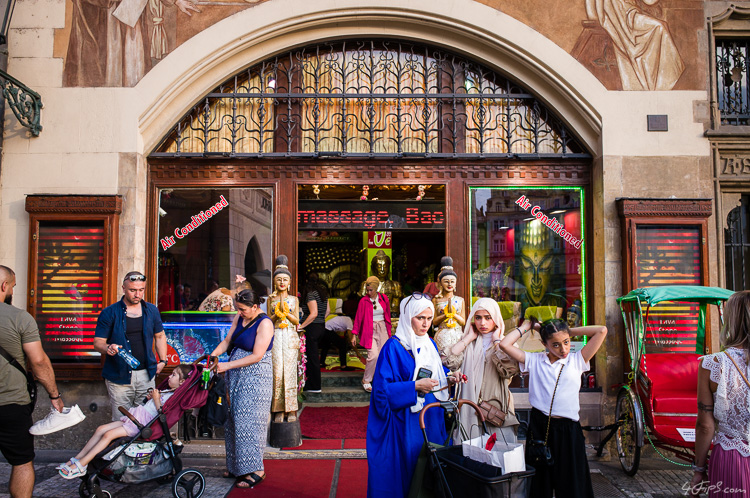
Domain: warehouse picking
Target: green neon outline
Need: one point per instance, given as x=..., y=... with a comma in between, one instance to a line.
x=581, y=193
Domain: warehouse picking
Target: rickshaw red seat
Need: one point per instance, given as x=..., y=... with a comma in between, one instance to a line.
x=674, y=381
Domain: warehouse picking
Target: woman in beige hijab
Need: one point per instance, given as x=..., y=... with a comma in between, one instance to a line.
x=488, y=370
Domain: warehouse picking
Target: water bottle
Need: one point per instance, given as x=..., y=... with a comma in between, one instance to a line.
x=205, y=378
x=129, y=358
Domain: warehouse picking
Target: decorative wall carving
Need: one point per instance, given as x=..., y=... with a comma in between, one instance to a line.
x=104, y=204
x=734, y=167
x=191, y=170
x=641, y=208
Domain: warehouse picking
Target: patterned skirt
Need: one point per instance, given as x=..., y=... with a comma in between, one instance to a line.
x=285, y=355
x=245, y=432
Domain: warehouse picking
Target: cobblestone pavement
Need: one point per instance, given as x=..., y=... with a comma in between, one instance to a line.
x=655, y=478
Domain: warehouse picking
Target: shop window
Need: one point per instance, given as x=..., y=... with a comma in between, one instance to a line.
x=535, y=270
x=737, y=245
x=206, y=238
x=72, y=274
x=665, y=244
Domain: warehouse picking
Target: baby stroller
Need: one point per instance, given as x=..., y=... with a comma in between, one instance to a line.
x=152, y=454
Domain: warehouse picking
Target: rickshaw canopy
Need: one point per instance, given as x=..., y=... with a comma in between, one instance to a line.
x=636, y=305
x=689, y=293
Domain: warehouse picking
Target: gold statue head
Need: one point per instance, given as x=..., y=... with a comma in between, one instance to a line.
x=381, y=265
x=536, y=261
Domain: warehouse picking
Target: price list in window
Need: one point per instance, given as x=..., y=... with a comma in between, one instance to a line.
x=69, y=288
x=669, y=255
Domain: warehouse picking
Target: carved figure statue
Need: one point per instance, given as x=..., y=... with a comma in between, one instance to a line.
x=450, y=310
x=381, y=268
x=284, y=311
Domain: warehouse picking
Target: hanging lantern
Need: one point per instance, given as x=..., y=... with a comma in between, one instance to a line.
x=365, y=192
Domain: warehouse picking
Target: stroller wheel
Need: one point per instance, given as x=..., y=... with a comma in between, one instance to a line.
x=189, y=483
x=83, y=492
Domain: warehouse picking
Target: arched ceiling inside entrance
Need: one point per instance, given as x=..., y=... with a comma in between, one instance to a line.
x=370, y=98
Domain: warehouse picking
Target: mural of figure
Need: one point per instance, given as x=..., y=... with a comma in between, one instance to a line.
x=450, y=311
x=647, y=57
x=110, y=43
x=284, y=311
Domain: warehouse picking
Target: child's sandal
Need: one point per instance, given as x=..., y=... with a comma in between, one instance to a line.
x=73, y=471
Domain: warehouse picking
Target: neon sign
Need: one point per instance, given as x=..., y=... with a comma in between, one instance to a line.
x=397, y=215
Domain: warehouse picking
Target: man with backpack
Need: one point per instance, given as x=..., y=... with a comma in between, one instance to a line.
x=20, y=345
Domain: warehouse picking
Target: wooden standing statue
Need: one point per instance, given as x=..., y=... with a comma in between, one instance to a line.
x=284, y=311
x=450, y=310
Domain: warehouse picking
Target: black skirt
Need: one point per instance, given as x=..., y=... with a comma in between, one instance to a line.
x=569, y=476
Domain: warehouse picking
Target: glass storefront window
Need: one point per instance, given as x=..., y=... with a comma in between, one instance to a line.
x=206, y=238
x=528, y=251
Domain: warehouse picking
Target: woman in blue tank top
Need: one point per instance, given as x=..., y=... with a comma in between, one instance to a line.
x=249, y=379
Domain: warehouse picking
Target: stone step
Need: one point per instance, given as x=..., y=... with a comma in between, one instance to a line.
x=342, y=379
x=338, y=394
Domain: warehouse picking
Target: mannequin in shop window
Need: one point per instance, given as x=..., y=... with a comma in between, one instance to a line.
x=381, y=268
x=450, y=310
x=284, y=311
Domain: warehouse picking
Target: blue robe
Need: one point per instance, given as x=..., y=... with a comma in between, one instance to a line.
x=394, y=438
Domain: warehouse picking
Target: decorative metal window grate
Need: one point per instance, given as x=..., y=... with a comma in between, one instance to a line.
x=737, y=246
x=369, y=99
x=732, y=85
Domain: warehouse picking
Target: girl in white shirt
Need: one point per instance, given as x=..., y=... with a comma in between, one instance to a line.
x=569, y=475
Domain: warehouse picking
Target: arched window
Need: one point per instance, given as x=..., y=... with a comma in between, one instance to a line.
x=370, y=99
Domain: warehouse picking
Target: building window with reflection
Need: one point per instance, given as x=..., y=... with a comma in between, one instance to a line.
x=206, y=238
x=537, y=249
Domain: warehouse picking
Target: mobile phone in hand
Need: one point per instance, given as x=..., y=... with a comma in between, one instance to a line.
x=423, y=373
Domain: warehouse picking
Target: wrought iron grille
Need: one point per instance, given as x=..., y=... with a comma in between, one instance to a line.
x=369, y=99
x=737, y=246
x=732, y=81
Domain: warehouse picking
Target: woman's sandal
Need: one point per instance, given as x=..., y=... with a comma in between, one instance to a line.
x=252, y=479
x=73, y=471
x=228, y=475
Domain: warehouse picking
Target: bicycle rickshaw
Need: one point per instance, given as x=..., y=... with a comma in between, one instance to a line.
x=659, y=403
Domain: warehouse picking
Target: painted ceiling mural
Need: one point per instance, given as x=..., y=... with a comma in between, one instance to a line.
x=626, y=44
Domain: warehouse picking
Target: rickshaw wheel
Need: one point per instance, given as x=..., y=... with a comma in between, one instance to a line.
x=189, y=483
x=628, y=449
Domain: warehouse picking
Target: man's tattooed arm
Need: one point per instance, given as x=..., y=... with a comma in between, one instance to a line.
x=705, y=408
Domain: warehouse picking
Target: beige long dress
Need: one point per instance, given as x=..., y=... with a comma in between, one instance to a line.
x=284, y=354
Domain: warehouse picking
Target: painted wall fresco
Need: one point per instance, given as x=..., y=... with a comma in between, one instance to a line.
x=626, y=44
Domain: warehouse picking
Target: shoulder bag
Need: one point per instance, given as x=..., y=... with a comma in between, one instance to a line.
x=539, y=452
x=30, y=382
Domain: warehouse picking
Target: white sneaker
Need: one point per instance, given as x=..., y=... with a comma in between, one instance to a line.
x=56, y=421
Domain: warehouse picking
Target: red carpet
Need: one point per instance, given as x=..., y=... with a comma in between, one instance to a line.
x=295, y=479
x=328, y=422
x=355, y=444
x=352, y=479
x=318, y=444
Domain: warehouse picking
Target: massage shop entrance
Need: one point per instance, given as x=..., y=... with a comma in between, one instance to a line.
x=353, y=152
x=347, y=233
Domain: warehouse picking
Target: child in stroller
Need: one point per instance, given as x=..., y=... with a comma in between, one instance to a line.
x=105, y=434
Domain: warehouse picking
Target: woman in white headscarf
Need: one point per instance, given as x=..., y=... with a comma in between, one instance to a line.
x=488, y=371
x=399, y=392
